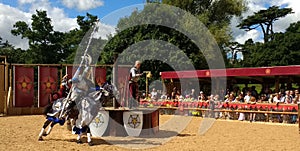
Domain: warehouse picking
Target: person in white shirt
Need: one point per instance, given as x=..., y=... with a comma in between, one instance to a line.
x=276, y=98
x=247, y=97
x=287, y=99
x=154, y=95
x=247, y=100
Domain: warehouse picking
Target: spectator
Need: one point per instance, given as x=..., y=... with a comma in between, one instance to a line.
x=237, y=100
x=247, y=100
x=218, y=105
x=164, y=96
x=252, y=115
x=174, y=93
x=292, y=94
x=247, y=97
x=287, y=99
x=154, y=95
x=276, y=98
x=230, y=98
x=201, y=96
x=211, y=102
x=296, y=98
x=192, y=95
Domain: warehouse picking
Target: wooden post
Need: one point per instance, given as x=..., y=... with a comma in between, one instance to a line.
x=60, y=74
x=11, y=86
x=115, y=78
x=3, y=83
x=276, y=84
x=2, y=88
x=147, y=89
x=299, y=116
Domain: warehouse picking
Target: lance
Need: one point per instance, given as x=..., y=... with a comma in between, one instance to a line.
x=66, y=100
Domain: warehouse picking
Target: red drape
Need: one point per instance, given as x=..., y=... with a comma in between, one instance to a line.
x=100, y=76
x=48, y=83
x=70, y=71
x=24, y=86
x=123, y=87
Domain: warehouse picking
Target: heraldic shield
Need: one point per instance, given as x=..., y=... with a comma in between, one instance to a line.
x=133, y=122
x=99, y=124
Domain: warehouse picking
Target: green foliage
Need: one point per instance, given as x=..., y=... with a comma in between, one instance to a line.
x=73, y=38
x=204, y=10
x=44, y=43
x=265, y=19
x=49, y=46
x=13, y=55
x=284, y=49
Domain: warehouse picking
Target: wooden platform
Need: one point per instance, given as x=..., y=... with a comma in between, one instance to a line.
x=25, y=111
x=116, y=126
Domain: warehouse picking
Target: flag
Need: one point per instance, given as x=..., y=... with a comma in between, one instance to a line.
x=100, y=76
x=123, y=88
x=48, y=83
x=23, y=86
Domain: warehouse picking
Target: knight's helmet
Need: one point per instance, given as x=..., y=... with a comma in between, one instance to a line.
x=88, y=60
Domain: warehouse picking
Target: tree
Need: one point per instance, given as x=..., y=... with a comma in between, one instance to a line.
x=49, y=46
x=132, y=35
x=13, y=55
x=233, y=48
x=45, y=44
x=216, y=15
x=73, y=38
x=265, y=19
x=283, y=50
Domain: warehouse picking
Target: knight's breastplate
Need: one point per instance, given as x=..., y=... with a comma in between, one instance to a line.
x=57, y=105
x=82, y=85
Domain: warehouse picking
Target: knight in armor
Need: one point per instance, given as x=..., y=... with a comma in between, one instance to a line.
x=81, y=95
x=53, y=108
x=82, y=85
x=134, y=76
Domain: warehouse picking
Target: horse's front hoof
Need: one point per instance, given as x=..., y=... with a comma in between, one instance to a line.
x=40, y=139
x=79, y=142
x=90, y=143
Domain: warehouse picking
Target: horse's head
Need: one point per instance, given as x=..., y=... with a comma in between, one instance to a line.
x=111, y=90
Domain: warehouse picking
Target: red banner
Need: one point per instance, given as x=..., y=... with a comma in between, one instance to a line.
x=48, y=83
x=70, y=71
x=123, y=88
x=100, y=76
x=24, y=86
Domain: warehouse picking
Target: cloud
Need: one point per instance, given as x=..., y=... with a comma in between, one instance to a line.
x=104, y=31
x=83, y=5
x=254, y=34
x=283, y=23
x=26, y=1
x=279, y=25
x=60, y=21
x=8, y=17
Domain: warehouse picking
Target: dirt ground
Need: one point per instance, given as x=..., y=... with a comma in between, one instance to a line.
x=21, y=133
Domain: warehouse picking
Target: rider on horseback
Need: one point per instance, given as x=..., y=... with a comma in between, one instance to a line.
x=52, y=110
x=82, y=85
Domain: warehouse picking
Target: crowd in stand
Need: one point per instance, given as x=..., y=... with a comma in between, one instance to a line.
x=245, y=96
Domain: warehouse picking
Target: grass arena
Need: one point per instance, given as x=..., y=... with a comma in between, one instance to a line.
x=21, y=133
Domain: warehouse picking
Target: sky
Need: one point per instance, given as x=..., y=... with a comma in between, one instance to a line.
x=64, y=12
